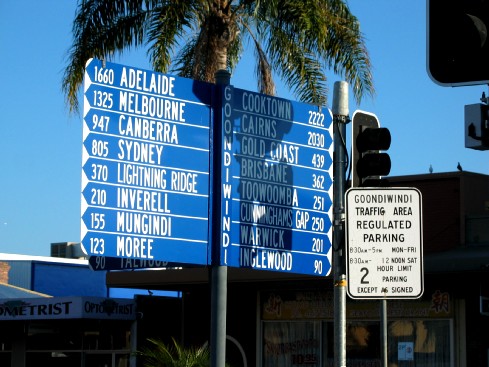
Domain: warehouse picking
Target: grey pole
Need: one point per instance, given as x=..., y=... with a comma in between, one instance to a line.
x=340, y=119
x=383, y=325
x=219, y=273
x=218, y=315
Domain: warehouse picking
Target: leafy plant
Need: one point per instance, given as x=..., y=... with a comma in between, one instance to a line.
x=159, y=354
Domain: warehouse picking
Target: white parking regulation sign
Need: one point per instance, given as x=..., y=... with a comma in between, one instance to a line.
x=384, y=246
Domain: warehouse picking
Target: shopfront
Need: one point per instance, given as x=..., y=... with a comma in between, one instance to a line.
x=66, y=331
x=297, y=329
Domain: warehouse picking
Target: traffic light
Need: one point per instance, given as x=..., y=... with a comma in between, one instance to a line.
x=368, y=139
x=457, y=42
x=477, y=126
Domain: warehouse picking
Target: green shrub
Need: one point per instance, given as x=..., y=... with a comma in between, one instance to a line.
x=158, y=354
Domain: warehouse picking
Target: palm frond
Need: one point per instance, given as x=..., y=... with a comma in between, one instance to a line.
x=341, y=45
x=235, y=50
x=166, y=27
x=306, y=39
x=102, y=28
x=183, y=63
x=297, y=65
x=301, y=41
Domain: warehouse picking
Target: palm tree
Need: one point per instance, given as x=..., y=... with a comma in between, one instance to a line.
x=297, y=40
x=161, y=355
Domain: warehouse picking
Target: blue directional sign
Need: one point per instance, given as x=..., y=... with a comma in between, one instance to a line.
x=98, y=263
x=276, y=200
x=145, y=166
x=146, y=175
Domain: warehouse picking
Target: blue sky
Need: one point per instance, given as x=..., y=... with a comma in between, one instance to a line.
x=40, y=149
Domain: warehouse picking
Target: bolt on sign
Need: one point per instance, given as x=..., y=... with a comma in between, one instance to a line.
x=384, y=244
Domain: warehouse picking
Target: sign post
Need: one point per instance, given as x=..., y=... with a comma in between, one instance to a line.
x=152, y=184
x=384, y=243
x=146, y=175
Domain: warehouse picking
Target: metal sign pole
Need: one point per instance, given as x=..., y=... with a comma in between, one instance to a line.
x=219, y=273
x=383, y=315
x=340, y=119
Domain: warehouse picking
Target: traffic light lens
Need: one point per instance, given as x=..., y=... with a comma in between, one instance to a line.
x=373, y=139
x=374, y=165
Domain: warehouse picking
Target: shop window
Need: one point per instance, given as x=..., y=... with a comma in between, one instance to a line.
x=6, y=332
x=107, y=360
x=52, y=336
x=419, y=343
x=65, y=359
x=362, y=343
x=291, y=343
x=53, y=359
x=90, y=343
x=5, y=358
x=309, y=343
x=411, y=343
x=106, y=336
x=476, y=230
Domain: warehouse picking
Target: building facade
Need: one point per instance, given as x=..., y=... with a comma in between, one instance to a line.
x=56, y=311
x=276, y=319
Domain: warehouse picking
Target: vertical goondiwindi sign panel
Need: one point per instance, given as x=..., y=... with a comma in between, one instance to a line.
x=276, y=184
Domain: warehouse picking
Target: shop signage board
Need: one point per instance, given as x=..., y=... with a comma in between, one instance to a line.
x=61, y=308
x=384, y=246
x=276, y=184
x=145, y=165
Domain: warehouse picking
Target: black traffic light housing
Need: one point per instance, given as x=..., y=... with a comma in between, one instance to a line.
x=368, y=139
x=457, y=42
x=477, y=126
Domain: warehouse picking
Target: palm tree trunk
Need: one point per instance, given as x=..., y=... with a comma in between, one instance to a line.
x=222, y=32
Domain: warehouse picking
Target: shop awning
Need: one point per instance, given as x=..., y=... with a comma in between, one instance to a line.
x=184, y=278
x=11, y=291
x=462, y=259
